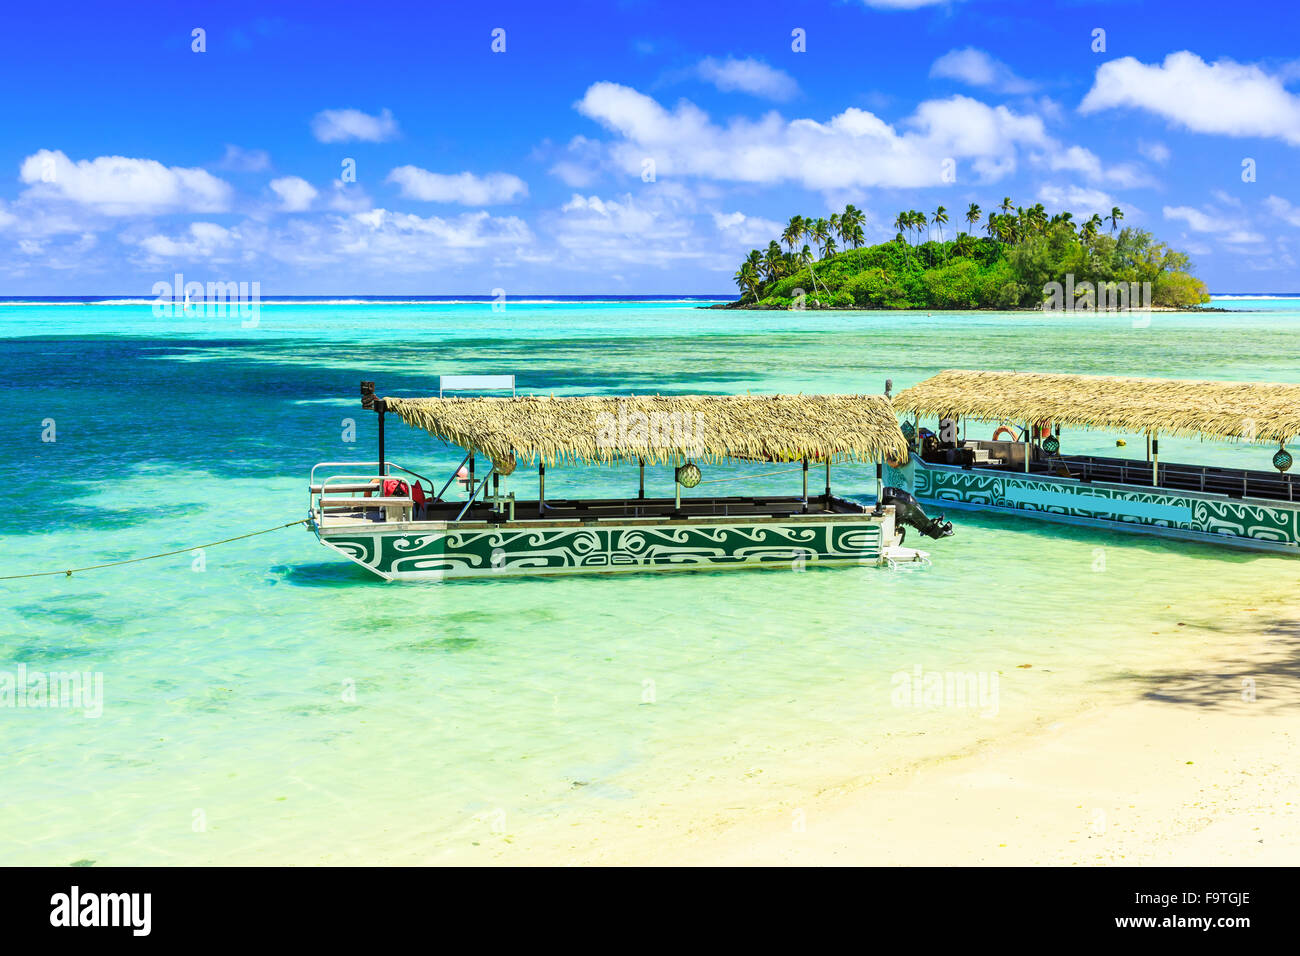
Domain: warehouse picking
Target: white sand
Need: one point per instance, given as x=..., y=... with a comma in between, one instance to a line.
x=1187, y=772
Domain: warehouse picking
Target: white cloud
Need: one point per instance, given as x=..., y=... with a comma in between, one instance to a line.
x=202, y=240
x=1196, y=220
x=1081, y=160
x=748, y=76
x=744, y=231
x=655, y=228
x=349, y=197
x=121, y=186
x=1078, y=200
x=378, y=238
x=1283, y=209
x=340, y=126
x=1227, y=228
x=464, y=188
x=853, y=149
x=903, y=4
x=295, y=194
x=1157, y=152
x=580, y=162
x=241, y=160
x=1224, y=97
x=977, y=68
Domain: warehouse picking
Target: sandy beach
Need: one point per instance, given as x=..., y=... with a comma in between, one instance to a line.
x=1190, y=771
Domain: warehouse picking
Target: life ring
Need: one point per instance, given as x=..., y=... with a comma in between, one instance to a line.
x=1005, y=428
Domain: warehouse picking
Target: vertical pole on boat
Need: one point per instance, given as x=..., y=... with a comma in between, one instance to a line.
x=828, y=482
x=880, y=488
x=805, y=484
x=541, y=487
x=641, y=486
x=1028, y=441
x=677, y=490
x=1155, y=459
x=496, y=491
x=471, y=486
x=383, y=462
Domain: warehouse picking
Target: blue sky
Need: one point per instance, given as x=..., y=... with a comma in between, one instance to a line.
x=128, y=156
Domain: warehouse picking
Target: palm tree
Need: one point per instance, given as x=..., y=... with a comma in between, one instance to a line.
x=820, y=231
x=1116, y=214
x=1091, y=226
x=1007, y=204
x=973, y=213
x=963, y=245
x=747, y=277
x=1037, y=217
x=836, y=225
x=829, y=249
x=940, y=219
x=918, y=223
x=772, y=261
x=851, y=222
x=793, y=231
x=901, y=222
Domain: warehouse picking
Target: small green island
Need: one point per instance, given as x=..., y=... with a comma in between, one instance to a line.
x=1013, y=266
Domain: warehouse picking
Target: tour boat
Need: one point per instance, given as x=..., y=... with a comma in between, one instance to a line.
x=1025, y=468
x=396, y=523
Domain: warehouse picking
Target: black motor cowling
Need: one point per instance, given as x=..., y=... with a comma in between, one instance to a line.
x=909, y=512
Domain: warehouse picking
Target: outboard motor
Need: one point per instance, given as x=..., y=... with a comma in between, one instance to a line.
x=909, y=512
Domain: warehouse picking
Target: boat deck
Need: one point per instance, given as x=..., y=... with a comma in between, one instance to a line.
x=768, y=508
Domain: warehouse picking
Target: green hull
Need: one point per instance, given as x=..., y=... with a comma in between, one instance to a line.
x=412, y=553
x=1245, y=522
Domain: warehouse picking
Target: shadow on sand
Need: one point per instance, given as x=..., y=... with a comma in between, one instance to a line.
x=1266, y=678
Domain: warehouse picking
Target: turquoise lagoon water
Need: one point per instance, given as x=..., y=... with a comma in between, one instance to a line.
x=269, y=702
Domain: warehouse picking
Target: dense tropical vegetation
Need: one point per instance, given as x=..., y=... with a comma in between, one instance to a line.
x=1022, y=251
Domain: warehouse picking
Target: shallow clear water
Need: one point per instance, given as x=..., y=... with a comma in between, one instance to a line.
x=272, y=703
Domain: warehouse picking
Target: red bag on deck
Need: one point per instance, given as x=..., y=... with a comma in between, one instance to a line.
x=396, y=486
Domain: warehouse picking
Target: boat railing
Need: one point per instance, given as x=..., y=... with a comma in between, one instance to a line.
x=364, y=464
x=350, y=492
x=1208, y=479
x=316, y=490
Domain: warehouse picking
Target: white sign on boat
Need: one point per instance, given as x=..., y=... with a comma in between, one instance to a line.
x=475, y=383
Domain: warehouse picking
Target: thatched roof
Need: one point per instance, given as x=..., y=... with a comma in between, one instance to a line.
x=1254, y=411
x=658, y=428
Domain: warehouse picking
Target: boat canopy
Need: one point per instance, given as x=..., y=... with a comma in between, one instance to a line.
x=661, y=429
x=1250, y=411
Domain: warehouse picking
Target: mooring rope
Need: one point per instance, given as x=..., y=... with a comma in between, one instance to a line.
x=149, y=557
x=718, y=481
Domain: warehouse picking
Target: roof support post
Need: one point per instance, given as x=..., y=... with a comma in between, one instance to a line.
x=1155, y=459
x=828, y=482
x=641, y=486
x=805, y=484
x=880, y=489
x=541, y=488
x=369, y=401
